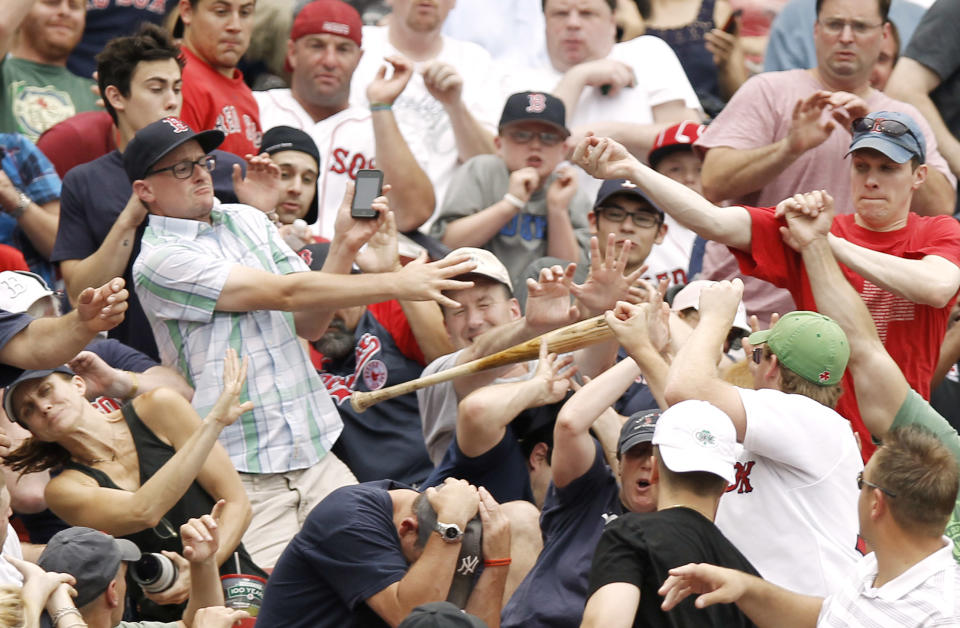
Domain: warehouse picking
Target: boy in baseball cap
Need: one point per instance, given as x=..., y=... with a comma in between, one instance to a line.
x=517, y=203
x=694, y=452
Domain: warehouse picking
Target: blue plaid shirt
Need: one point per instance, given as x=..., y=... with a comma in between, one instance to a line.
x=179, y=275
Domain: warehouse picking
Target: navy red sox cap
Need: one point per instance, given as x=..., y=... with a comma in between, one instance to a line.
x=537, y=107
x=154, y=141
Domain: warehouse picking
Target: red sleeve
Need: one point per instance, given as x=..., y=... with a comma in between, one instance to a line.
x=940, y=235
x=77, y=140
x=769, y=258
x=391, y=316
x=11, y=258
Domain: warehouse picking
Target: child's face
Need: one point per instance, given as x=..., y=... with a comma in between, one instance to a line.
x=682, y=166
x=536, y=145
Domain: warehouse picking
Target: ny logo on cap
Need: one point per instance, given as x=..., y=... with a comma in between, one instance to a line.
x=538, y=103
x=177, y=125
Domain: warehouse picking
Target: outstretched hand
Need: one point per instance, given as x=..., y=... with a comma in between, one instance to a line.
x=713, y=585
x=201, y=537
x=103, y=308
x=552, y=375
x=604, y=158
x=381, y=253
x=355, y=232
x=226, y=410
x=608, y=280
x=422, y=281
x=386, y=90
x=260, y=187
x=548, y=299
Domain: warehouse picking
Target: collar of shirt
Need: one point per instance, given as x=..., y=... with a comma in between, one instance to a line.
x=912, y=577
x=187, y=228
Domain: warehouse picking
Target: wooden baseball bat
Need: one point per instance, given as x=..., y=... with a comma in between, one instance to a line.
x=563, y=340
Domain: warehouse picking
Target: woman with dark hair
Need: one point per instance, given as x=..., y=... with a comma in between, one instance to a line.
x=138, y=473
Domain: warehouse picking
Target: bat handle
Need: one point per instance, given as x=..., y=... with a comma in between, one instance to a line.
x=360, y=400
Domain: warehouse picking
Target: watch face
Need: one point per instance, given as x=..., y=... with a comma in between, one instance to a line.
x=451, y=532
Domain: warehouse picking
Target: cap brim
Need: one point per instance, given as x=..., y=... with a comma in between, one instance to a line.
x=564, y=130
x=895, y=152
x=27, y=376
x=633, y=441
x=129, y=552
x=759, y=337
x=684, y=461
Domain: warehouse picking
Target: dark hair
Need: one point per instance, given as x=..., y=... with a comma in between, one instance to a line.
x=922, y=473
x=882, y=5
x=542, y=434
x=610, y=3
x=35, y=455
x=700, y=483
x=118, y=60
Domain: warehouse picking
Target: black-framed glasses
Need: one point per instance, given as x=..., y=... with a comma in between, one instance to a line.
x=890, y=128
x=547, y=138
x=183, y=169
x=758, y=355
x=618, y=214
x=861, y=482
x=835, y=26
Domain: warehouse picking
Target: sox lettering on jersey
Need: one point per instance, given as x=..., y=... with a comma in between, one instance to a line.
x=345, y=162
x=742, y=481
x=229, y=121
x=341, y=387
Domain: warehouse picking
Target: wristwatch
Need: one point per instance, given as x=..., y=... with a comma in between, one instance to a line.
x=449, y=532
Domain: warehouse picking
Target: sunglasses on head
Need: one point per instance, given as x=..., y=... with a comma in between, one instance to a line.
x=890, y=128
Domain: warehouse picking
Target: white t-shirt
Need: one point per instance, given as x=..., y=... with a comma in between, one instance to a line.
x=422, y=119
x=671, y=258
x=11, y=547
x=507, y=29
x=345, y=141
x=793, y=508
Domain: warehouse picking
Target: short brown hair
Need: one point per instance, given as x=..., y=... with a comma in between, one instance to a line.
x=700, y=483
x=922, y=474
x=793, y=384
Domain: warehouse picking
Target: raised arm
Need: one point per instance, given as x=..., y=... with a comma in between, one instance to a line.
x=693, y=374
x=412, y=196
x=643, y=331
x=880, y=385
x=121, y=512
x=605, y=159
x=486, y=599
x=201, y=544
x=11, y=15
x=485, y=413
x=573, y=448
x=103, y=379
x=49, y=342
x=446, y=85
x=931, y=280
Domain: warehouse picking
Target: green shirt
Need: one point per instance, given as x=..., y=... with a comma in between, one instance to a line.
x=916, y=411
x=37, y=96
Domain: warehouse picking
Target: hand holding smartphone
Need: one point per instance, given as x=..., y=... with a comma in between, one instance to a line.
x=369, y=184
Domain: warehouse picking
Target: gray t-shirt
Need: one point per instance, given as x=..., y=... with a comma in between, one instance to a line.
x=481, y=182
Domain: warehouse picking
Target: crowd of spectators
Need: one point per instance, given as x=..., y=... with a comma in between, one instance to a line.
x=723, y=230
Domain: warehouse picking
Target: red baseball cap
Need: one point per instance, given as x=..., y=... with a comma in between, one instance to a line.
x=677, y=137
x=332, y=17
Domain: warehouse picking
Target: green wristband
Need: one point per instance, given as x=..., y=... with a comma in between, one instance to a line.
x=380, y=106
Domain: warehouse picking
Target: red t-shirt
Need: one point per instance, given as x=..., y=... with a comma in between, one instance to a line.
x=911, y=332
x=213, y=101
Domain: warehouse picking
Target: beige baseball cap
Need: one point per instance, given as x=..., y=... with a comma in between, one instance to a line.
x=488, y=265
x=689, y=296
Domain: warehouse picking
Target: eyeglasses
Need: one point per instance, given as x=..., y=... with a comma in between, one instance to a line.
x=164, y=530
x=757, y=355
x=618, y=214
x=861, y=482
x=547, y=138
x=835, y=26
x=890, y=128
x=183, y=169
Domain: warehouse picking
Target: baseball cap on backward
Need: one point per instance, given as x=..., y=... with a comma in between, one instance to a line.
x=810, y=344
x=154, y=141
x=869, y=132
x=693, y=436
x=488, y=265
x=331, y=17
x=536, y=107
x=689, y=296
x=91, y=557
x=637, y=429
x=282, y=138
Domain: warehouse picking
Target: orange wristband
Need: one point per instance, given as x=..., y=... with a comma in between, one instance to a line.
x=497, y=562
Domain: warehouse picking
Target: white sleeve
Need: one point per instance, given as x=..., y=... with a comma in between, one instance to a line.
x=658, y=71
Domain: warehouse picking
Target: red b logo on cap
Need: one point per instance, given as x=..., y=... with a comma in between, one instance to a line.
x=177, y=125
x=538, y=102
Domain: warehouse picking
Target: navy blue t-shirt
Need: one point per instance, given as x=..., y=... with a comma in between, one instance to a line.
x=92, y=198
x=347, y=551
x=554, y=592
x=385, y=441
x=636, y=398
x=502, y=470
x=10, y=325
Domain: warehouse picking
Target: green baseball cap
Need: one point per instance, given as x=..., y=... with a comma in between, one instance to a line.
x=810, y=344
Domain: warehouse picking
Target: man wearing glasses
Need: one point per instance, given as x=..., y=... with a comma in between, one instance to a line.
x=215, y=276
x=785, y=132
x=904, y=266
x=517, y=203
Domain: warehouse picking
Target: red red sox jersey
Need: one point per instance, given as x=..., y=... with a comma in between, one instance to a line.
x=345, y=142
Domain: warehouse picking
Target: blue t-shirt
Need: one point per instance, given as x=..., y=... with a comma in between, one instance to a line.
x=93, y=196
x=347, y=551
x=554, y=592
x=10, y=325
x=502, y=470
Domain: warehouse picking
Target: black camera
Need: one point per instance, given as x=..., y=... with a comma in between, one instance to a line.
x=154, y=572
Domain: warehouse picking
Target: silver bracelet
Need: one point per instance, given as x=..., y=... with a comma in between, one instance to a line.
x=63, y=612
x=23, y=201
x=513, y=200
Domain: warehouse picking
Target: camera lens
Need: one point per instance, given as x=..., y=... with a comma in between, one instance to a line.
x=154, y=573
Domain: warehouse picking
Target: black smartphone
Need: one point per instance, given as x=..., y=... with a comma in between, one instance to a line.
x=731, y=25
x=369, y=184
